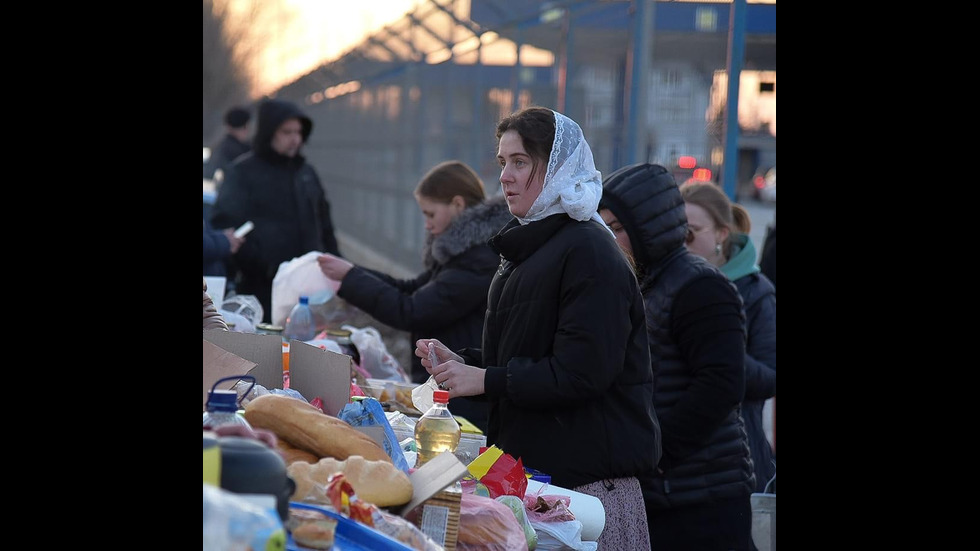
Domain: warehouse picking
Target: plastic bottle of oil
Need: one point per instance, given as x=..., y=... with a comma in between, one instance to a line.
x=437, y=430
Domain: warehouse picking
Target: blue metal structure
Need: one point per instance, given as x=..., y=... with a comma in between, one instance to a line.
x=637, y=76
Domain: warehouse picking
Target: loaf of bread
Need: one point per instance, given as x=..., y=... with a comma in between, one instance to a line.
x=377, y=482
x=309, y=429
x=291, y=453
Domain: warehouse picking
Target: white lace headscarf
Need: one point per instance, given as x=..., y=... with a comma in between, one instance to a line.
x=572, y=184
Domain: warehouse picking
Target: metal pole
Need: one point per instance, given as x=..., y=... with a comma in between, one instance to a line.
x=736, y=55
x=637, y=75
x=564, y=62
x=516, y=87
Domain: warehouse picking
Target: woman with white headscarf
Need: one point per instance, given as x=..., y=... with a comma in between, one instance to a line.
x=565, y=365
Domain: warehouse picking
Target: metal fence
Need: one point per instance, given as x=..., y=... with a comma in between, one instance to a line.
x=389, y=109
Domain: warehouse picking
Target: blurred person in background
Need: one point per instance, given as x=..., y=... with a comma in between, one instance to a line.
x=767, y=261
x=721, y=236
x=212, y=317
x=233, y=144
x=447, y=300
x=698, y=496
x=564, y=362
x=275, y=188
x=219, y=246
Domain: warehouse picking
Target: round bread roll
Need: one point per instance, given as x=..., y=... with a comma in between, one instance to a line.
x=316, y=534
x=377, y=482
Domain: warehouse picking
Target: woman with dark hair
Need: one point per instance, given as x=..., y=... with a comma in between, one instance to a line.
x=698, y=497
x=449, y=298
x=564, y=363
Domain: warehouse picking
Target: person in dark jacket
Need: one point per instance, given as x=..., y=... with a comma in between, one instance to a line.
x=721, y=231
x=232, y=145
x=767, y=262
x=275, y=188
x=564, y=362
x=219, y=246
x=698, y=497
x=447, y=300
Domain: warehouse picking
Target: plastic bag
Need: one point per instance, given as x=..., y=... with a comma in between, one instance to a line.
x=562, y=535
x=232, y=523
x=499, y=472
x=375, y=358
x=244, y=305
x=487, y=525
x=299, y=276
x=517, y=506
x=237, y=322
x=548, y=508
x=368, y=412
x=248, y=391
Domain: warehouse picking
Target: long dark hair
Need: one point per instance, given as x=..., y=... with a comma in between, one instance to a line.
x=536, y=127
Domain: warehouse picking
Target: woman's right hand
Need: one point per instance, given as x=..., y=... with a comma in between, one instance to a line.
x=334, y=267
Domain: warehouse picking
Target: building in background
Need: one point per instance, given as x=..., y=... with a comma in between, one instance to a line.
x=431, y=86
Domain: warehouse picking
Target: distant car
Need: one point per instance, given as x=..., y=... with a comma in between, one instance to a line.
x=764, y=185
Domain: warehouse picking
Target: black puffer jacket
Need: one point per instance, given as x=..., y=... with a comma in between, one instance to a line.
x=759, y=296
x=445, y=302
x=565, y=349
x=697, y=345
x=282, y=196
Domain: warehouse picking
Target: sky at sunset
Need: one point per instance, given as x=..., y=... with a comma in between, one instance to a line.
x=303, y=34
x=300, y=35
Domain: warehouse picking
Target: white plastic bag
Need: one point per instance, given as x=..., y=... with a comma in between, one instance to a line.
x=565, y=535
x=299, y=276
x=375, y=358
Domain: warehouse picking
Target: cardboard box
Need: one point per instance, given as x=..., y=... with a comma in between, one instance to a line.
x=313, y=371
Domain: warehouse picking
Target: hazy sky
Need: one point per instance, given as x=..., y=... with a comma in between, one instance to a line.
x=302, y=34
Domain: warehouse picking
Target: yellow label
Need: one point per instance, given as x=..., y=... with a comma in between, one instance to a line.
x=212, y=466
x=481, y=465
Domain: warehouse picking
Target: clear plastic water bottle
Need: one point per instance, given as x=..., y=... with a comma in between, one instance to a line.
x=222, y=405
x=437, y=430
x=299, y=323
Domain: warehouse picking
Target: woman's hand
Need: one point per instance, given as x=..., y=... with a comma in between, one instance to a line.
x=449, y=370
x=334, y=267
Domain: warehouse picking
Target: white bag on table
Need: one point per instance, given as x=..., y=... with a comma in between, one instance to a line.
x=299, y=276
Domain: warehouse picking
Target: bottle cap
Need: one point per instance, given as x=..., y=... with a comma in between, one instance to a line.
x=440, y=396
x=304, y=299
x=222, y=400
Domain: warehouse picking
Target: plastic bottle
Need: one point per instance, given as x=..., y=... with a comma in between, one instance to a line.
x=299, y=323
x=437, y=430
x=222, y=409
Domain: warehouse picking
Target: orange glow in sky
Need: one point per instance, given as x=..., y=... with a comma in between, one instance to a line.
x=300, y=35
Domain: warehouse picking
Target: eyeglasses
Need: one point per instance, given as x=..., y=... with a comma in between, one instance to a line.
x=691, y=233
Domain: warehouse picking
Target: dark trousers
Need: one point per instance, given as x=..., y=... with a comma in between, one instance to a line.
x=718, y=526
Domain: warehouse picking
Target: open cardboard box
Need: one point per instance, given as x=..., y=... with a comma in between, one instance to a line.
x=313, y=371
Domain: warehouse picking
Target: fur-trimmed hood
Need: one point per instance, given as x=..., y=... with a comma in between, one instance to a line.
x=474, y=226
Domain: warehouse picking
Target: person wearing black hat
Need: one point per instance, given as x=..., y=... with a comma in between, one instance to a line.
x=274, y=187
x=232, y=145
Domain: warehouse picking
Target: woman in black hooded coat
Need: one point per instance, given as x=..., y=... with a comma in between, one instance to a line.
x=698, y=497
